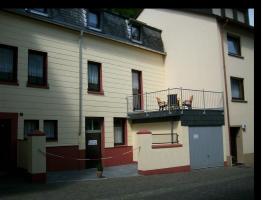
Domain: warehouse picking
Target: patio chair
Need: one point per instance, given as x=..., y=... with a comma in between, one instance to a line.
x=188, y=103
x=161, y=104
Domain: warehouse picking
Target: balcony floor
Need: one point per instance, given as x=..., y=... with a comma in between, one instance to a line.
x=188, y=117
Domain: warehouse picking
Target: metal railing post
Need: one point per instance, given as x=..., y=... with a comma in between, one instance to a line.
x=181, y=100
x=169, y=101
x=203, y=103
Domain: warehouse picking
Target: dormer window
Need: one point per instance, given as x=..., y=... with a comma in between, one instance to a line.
x=93, y=20
x=39, y=11
x=135, y=32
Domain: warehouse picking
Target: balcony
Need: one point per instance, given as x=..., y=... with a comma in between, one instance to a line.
x=192, y=107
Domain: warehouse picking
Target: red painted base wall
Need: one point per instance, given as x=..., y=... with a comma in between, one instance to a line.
x=67, y=163
x=117, y=156
x=165, y=170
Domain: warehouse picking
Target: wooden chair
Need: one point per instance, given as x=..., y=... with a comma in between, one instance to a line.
x=188, y=102
x=161, y=104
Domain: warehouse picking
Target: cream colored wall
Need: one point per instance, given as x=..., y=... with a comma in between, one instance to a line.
x=242, y=113
x=60, y=101
x=151, y=159
x=194, y=58
x=163, y=127
x=117, y=62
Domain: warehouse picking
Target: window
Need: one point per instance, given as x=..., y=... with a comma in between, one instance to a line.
x=240, y=16
x=8, y=63
x=37, y=68
x=237, y=87
x=137, y=90
x=94, y=77
x=119, y=131
x=234, y=45
x=229, y=13
x=93, y=20
x=30, y=126
x=50, y=129
x=93, y=124
x=216, y=11
x=135, y=32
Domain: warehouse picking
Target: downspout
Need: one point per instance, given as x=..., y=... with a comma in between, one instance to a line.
x=225, y=78
x=80, y=83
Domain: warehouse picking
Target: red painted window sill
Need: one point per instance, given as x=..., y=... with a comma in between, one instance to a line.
x=38, y=86
x=94, y=92
x=9, y=83
x=117, y=146
x=159, y=146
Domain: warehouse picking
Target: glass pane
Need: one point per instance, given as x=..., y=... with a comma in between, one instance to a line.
x=235, y=86
x=96, y=124
x=93, y=20
x=135, y=33
x=35, y=69
x=6, y=64
x=30, y=126
x=118, y=131
x=49, y=129
x=93, y=77
x=233, y=46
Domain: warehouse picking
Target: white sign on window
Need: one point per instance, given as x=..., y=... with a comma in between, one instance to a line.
x=195, y=136
x=92, y=142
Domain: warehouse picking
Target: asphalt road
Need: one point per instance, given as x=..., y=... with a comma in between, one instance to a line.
x=217, y=183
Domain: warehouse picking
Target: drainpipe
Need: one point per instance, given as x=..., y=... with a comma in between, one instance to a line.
x=80, y=83
x=225, y=78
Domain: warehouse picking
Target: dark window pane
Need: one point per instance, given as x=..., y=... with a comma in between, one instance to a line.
x=135, y=32
x=36, y=69
x=237, y=89
x=119, y=132
x=93, y=124
x=93, y=19
x=233, y=45
x=93, y=77
x=30, y=126
x=50, y=129
x=6, y=64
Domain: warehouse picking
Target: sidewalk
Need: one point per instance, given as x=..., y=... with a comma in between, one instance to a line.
x=90, y=174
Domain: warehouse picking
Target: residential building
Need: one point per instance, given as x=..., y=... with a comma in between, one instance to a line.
x=91, y=80
x=203, y=46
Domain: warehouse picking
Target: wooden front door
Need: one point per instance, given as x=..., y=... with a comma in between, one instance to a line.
x=5, y=144
x=93, y=131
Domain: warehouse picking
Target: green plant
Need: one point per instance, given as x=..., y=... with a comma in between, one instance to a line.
x=99, y=166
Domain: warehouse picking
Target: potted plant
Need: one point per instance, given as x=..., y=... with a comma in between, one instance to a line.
x=99, y=169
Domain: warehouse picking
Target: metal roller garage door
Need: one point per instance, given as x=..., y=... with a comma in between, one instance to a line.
x=206, y=147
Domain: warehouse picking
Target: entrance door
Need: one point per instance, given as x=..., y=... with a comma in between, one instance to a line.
x=93, y=130
x=5, y=144
x=236, y=145
x=206, y=147
x=136, y=90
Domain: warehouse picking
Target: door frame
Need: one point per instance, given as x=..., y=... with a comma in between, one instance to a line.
x=140, y=86
x=14, y=130
x=102, y=136
x=239, y=144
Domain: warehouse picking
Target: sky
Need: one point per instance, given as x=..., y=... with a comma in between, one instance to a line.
x=251, y=16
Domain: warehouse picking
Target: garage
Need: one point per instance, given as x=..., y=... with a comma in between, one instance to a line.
x=206, y=147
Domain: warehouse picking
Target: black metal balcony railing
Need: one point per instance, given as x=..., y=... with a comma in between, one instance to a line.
x=173, y=99
x=165, y=138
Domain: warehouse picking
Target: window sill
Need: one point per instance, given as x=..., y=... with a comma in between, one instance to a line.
x=136, y=41
x=9, y=83
x=96, y=92
x=118, y=146
x=235, y=55
x=159, y=146
x=38, y=86
x=94, y=29
x=239, y=101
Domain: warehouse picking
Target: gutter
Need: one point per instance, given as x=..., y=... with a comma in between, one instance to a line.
x=225, y=78
x=80, y=83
